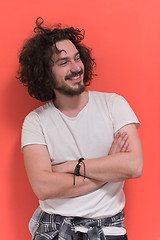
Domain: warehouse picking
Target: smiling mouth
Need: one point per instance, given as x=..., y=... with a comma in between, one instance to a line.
x=74, y=76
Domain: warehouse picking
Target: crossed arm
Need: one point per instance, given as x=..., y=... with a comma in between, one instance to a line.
x=124, y=161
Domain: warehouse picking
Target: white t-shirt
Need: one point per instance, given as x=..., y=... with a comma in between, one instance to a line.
x=88, y=135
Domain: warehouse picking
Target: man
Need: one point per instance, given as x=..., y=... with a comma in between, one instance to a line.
x=80, y=146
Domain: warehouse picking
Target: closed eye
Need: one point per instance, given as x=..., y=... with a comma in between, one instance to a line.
x=77, y=59
x=63, y=63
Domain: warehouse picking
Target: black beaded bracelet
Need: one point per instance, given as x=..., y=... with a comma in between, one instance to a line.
x=77, y=169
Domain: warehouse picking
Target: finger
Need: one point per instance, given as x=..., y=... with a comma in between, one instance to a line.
x=116, y=139
x=114, y=143
x=114, y=147
x=125, y=146
x=124, y=142
x=121, y=141
x=117, y=136
x=118, y=144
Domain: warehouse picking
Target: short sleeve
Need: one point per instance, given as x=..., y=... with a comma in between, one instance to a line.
x=121, y=113
x=32, y=132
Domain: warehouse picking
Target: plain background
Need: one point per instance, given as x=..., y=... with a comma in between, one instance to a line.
x=125, y=38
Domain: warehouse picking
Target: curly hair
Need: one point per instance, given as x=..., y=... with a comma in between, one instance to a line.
x=35, y=59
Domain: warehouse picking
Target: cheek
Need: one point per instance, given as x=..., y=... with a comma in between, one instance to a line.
x=58, y=74
x=82, y=66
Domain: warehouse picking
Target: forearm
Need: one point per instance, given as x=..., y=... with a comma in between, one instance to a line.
x=48, y=184
x=60, y=185
x=113, y=168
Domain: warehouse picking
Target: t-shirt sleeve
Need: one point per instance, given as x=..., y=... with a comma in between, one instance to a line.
x=121, y=112
x=32, y=132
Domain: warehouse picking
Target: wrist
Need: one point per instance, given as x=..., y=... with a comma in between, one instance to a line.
x=78, y=167
x=70, y=166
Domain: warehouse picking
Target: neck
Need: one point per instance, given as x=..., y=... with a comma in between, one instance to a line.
x=71, y=105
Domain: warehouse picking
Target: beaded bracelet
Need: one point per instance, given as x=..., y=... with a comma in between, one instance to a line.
x=77, y=169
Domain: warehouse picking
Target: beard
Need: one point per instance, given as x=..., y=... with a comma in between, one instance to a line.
x=69, y=91
x=65, y=89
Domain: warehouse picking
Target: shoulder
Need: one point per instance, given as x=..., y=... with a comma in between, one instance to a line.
x=40, y=112
x=44, y=109
x=104, y=94
x=34, y=125
x=108, y=98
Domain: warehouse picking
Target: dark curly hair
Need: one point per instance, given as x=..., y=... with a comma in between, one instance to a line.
x=35, y=59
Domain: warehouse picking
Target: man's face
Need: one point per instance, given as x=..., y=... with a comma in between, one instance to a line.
x=68, y=69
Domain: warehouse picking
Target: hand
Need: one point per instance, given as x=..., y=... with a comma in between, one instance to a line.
x=120, y=143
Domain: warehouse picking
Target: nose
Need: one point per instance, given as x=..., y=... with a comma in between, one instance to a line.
x=75, y=66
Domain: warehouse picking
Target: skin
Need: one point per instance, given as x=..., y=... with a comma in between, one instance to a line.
x=68, y=70
x=124, y=160
x=68, y=63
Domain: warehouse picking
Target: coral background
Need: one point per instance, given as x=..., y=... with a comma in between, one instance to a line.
x=125, y=38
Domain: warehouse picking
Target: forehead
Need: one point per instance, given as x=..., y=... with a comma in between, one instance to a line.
x=66, y=48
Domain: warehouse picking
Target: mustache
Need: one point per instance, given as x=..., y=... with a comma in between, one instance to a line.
x=74, y=74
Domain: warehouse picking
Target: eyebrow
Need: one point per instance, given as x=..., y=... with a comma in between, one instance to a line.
x=66, y=58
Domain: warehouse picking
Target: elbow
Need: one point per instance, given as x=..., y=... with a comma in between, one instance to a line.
x=45, y=194
x=42, y=196
x=43, y=189
x=42, y=192
x=137, y=170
